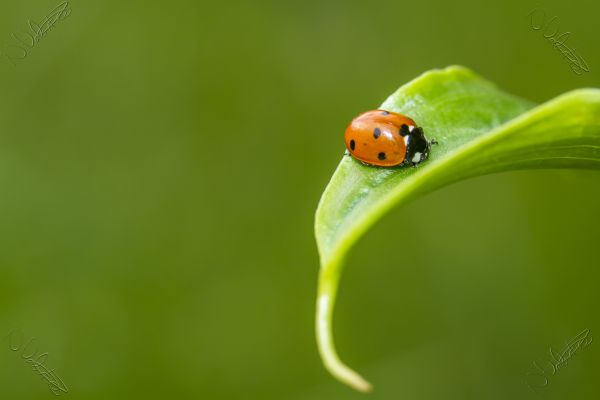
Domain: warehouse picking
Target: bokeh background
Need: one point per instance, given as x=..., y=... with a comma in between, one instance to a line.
x=160, y=165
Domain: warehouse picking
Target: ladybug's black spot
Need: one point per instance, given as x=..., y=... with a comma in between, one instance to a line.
x=352, y=144
x=385, y=113
x=404, y=130
x=376, y=133
x=381, y=156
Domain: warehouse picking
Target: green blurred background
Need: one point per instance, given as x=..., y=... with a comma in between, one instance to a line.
x=160, y=165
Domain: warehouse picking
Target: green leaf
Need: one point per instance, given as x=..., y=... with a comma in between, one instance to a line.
x=480, y=130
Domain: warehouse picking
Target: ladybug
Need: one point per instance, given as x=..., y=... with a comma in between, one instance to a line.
x=386, y=139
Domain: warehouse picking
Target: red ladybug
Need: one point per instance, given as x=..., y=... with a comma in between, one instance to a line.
x=386, y=139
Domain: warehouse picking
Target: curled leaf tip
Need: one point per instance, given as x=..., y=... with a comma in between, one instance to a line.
x=334, y=365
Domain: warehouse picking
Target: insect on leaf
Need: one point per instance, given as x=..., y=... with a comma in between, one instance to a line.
x=480, y=130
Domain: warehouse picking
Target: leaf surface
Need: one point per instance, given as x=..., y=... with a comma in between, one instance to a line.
x=479, y=130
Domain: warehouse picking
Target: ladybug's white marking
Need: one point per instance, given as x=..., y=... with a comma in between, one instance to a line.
x=406, y=140
x=416, y=157
x=410, y=128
